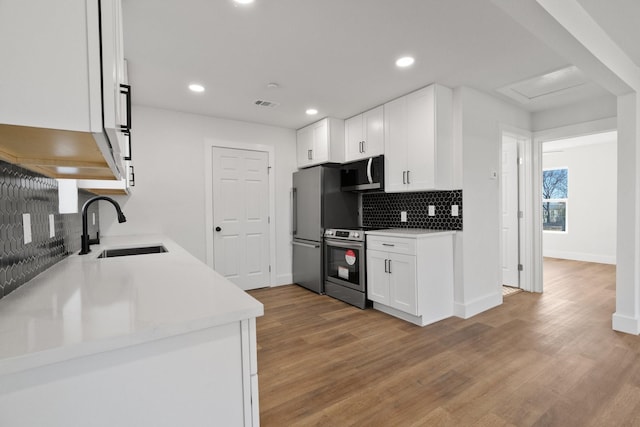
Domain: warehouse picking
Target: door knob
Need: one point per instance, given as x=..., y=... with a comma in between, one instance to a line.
x=218, y=229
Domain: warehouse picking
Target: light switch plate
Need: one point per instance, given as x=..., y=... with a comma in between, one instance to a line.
x=403, y=216
x=26, y=227
x=454, y=210
x=432, y=210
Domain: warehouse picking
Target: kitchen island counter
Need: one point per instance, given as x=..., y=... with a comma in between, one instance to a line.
x=100, y=314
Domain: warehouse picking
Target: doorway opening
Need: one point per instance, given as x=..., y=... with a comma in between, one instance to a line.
x=579, y=200
x=515, y=160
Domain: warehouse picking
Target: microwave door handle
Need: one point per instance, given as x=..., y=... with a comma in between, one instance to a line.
x=369, y=163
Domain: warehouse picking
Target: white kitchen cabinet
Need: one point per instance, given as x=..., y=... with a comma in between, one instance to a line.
x=321, y=142
x=410, y=274
x=62, y=74
x=364, y=135
x=418, y=142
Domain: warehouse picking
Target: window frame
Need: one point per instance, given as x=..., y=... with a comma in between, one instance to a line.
x=556, y=200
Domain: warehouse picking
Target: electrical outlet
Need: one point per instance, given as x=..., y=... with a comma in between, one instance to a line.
x=454, y=210
x=403, y=216
x=52, y=226
x=432, y=210
x=26, y=227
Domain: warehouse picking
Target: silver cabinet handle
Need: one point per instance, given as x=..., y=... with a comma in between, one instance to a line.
x=404, y=177
x=389, y=266
x=408, y=179
x=364, y=146
x=309, y=155
x=386, y=269
x=305, y=245
x=388, y=244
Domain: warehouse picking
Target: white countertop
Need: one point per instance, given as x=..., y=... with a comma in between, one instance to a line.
x=84, y=305
x=409, y=232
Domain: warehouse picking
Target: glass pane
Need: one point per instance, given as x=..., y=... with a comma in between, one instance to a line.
x=555, y=184
x=554, y=216
x=344, y=264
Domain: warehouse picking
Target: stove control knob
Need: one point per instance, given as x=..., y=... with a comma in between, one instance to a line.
x=329, y=233
x=356, y=235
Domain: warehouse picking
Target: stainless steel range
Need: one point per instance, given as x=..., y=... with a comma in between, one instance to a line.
x=344, y=266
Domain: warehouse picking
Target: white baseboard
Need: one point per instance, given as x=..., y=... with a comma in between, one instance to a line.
x=477, y=306
x=626, y=324
x=283, y=279
x=580, y=256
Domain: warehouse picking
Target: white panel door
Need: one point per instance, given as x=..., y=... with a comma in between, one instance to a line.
x=241, y=216
x=377, y=277
x=353, y=138
x=509, y=184
x=402, y=282
x=421, y=140
x=395, y=145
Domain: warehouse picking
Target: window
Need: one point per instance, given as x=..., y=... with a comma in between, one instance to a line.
x=554, y=199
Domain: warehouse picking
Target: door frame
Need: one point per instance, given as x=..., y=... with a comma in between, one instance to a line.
x=209, y=144
x=540, y=137
x=526, y=237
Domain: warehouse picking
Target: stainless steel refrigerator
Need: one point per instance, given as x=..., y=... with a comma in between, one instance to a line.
x=318, y=203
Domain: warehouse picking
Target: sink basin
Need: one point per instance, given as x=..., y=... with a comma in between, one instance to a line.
x=142, y=250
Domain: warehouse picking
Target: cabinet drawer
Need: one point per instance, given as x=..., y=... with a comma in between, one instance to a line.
x=396, y=245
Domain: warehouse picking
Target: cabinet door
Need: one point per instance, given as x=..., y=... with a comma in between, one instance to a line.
x=421, y=140
x=402, y=283
x=377, y=277
x=320, y=145
x=373, y=129
x=353, y=138
x=395, y=144
x=304, y=145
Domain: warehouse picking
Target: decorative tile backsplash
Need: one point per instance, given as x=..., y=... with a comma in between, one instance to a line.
x=383, y=210
x=23, y=191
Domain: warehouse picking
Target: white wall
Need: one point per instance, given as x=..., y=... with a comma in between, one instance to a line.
x=587, y=111
x=169, y=198
x=477, y=122
x=592, y=204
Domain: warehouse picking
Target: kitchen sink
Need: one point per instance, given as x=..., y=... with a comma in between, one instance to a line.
x=142, y=250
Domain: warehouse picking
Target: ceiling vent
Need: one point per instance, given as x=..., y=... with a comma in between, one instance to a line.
x=263, y=103
x=546, y=85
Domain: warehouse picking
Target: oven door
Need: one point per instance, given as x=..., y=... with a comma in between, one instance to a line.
x=344, y=263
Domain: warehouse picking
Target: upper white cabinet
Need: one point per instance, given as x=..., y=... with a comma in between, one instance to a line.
x=321, y=142
x=63, y=111
x=418, y=144
x=364, y=135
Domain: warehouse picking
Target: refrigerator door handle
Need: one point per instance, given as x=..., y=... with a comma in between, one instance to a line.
x=305, y=245
x=294, y=211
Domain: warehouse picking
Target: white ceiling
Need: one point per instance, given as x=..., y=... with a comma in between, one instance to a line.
x=335, y=55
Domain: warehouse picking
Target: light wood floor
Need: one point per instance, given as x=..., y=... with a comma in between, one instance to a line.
x=548, y=360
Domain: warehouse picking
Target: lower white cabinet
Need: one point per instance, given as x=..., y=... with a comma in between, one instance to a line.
x=410, y=274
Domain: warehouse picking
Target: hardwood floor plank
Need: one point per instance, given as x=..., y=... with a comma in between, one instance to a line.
x=549, y=359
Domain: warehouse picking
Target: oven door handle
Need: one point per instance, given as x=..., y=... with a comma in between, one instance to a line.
x=346, y=244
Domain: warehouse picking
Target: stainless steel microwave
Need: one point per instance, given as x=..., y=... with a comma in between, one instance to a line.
x=363, y=175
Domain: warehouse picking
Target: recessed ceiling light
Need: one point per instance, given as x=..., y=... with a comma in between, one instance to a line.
x=405, y=61
x=312, y=111
x=195, y=87
x=243, y=1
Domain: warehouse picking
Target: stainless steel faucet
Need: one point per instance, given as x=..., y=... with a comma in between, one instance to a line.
x=85, y=223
